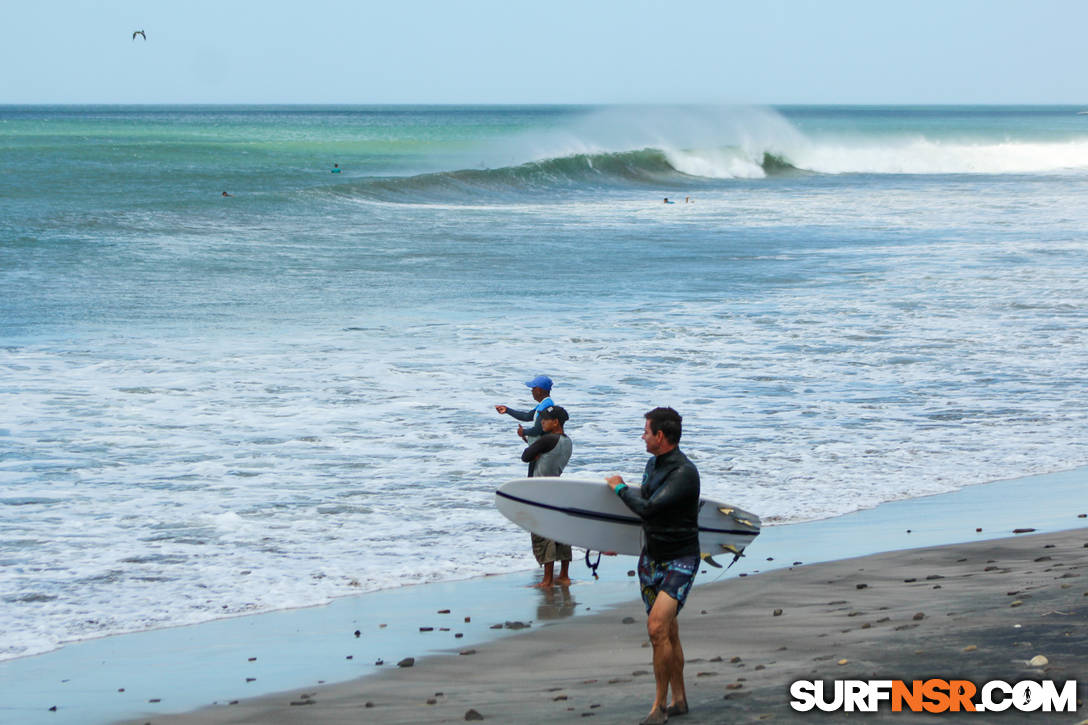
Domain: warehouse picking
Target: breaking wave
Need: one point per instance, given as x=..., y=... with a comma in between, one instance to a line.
x=645, y=168
x=673, y=150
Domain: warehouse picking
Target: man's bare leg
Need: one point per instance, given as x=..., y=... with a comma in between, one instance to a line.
x=679, y=704
x=661, y=626
x=564, y=573
x=549, y=576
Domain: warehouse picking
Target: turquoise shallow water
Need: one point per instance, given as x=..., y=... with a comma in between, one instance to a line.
x=223, y=405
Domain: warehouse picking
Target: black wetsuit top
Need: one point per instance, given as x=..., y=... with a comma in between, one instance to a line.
x=668, y=504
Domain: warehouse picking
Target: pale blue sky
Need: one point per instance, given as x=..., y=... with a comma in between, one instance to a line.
x=551, y=51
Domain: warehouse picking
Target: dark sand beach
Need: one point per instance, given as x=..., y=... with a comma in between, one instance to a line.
x=979, y=611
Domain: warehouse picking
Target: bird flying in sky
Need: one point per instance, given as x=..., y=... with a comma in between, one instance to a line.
x=140, y=33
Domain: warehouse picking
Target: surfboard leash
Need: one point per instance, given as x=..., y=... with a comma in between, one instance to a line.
x=593, y=565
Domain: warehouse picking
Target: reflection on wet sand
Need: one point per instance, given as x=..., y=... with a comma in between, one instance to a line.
x=555, y=603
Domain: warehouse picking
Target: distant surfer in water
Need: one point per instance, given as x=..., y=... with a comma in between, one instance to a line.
x=226, y=194
x=548, y=456
x=668, y=504
x=541, y=387
x=669, y=202
x=335, y=169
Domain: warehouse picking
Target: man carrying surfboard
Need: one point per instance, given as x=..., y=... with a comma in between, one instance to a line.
x=548, y=456
x=541, y=387
x=668, y=504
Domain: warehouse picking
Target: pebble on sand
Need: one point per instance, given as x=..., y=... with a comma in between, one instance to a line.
x=1022, y=531
x=407, y=662
x=843, y=662
x=467, y=652
x=970, y=648
x=777, y=613
x=1038, y=661
x=919, y=616
x=473, y=715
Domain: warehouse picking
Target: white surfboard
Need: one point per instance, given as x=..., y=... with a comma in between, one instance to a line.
x=586, y=513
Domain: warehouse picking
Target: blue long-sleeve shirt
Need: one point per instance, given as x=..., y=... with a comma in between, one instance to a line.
x=526, y=415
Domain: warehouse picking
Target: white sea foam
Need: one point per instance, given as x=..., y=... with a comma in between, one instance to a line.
x=187, y=482
x=930, y=156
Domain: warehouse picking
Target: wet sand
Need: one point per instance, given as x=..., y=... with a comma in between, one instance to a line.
x=977, y=611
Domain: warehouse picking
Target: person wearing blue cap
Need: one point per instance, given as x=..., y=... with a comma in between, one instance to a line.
x=541, y=387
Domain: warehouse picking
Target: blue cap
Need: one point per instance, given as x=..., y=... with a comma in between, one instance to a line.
x=540, y=381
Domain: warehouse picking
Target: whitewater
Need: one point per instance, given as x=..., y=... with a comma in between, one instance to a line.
x=215, y=406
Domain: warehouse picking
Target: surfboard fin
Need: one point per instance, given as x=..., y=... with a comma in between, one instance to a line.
x=710, y=560
x=726, y=510
x=737, y=553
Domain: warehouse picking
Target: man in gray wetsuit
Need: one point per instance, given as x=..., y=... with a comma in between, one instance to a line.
x=668, y=504
x=547, y=456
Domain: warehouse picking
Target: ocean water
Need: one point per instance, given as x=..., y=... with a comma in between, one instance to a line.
x=211, y=406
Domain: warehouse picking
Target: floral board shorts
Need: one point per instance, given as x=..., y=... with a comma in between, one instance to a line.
x=673, y=577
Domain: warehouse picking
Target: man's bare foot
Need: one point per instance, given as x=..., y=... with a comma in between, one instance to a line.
x=677, y=708
x=546, y=584
x=563, y=581
x=657, y=716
